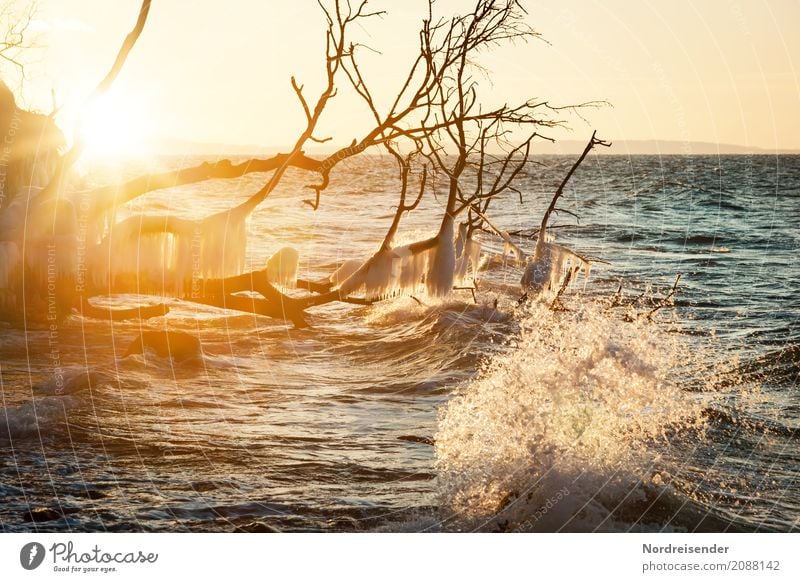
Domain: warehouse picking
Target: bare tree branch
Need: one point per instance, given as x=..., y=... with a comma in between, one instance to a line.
x=69, y=159
x=593, y=141
x=118, y=194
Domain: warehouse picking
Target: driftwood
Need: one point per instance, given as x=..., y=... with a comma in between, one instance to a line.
x=618, y=299
x=436, y=120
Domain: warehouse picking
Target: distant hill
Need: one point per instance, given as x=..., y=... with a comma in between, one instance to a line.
x=654, y=147
x=561, y=147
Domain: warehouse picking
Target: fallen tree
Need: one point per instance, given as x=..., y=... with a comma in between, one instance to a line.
x=437, y=125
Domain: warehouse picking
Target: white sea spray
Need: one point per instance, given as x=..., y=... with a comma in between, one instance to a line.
x=575, y=404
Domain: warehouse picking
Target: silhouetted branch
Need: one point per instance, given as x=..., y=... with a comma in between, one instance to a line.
x=666, y=301
x=618, y=300
x=117, y=194
x=402, y=208
x=556, y=304
x=593, y=141
x=68, y=160
x=436, y=114
x=335, y=44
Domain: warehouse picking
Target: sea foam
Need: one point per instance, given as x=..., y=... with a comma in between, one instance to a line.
x=560, y=429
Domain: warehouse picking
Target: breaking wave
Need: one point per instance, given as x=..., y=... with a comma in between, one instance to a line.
x=568, y=426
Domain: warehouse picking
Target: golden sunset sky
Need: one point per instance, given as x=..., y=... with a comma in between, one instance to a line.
x=713, y=70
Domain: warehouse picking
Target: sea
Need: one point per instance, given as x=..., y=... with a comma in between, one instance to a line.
x=639, y=405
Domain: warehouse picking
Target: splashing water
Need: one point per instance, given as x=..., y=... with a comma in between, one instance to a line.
x=559, y=430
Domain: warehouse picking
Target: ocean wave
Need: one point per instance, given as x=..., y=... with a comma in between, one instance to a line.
x=563, y=430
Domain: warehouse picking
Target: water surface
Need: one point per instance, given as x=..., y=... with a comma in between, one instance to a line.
x=579, y=421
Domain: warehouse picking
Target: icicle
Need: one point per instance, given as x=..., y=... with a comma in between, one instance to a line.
x=412, y=268
x=51, y=241
x=5, y=266
x=153, y=254
x=163, y=253
x=50, y=257
x=441, y=268
x=538, y=273
x=282, y=267
x=389, y=273
x=474, y=254
x=381, y=277
x=509, y=248
x=467, y=254
x=224, y=244
x=461, y=239
x=587, y=270
x=8, y=262
x=345, y=271
x=9, y=273
x=546, y=270
x=400, y=271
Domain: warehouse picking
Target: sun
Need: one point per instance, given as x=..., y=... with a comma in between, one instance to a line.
x=113, y=127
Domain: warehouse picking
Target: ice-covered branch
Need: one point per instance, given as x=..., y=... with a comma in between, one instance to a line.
x=553, y=267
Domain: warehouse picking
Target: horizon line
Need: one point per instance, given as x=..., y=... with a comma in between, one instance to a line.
x=172, y=146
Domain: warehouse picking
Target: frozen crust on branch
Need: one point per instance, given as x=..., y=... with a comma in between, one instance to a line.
x=282, y=267
x=164, y=253
x=550, y=264
x=430, y=265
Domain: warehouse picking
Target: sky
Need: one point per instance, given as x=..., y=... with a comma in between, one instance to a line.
x=717, y=71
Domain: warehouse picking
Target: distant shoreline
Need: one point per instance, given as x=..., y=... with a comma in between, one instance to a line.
x=255, y=154
x=539, y=149
x=660, y=148
x=676, y=155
